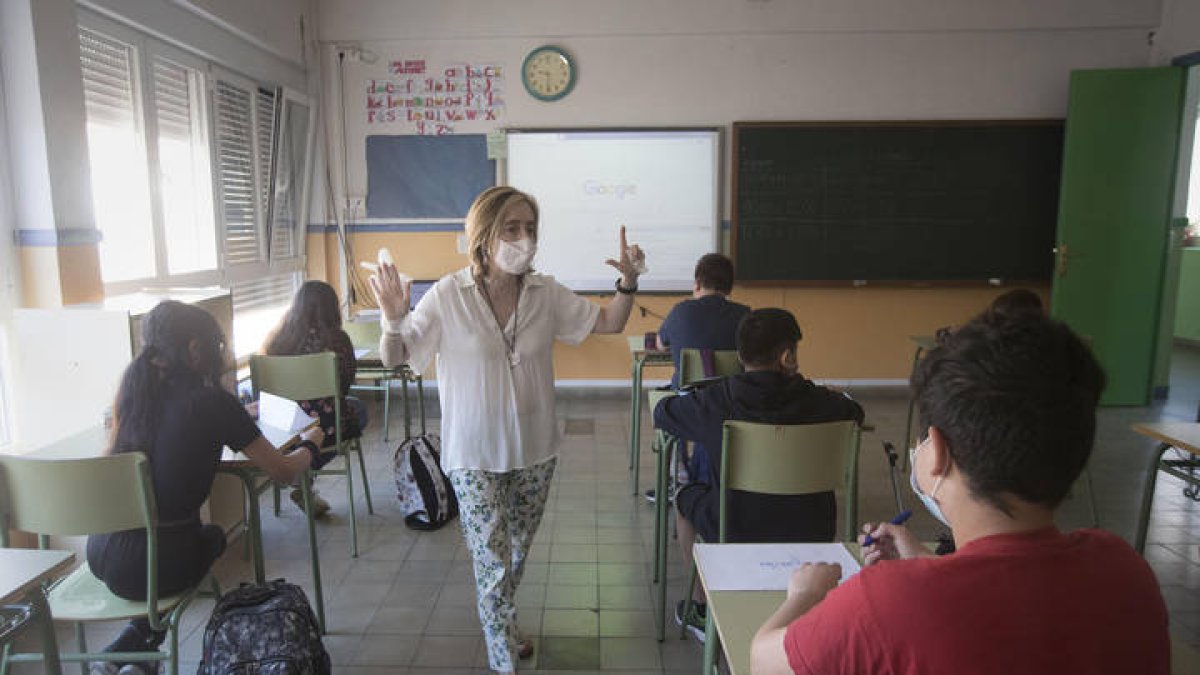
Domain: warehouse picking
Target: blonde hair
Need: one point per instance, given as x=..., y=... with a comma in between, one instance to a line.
x=484, y=221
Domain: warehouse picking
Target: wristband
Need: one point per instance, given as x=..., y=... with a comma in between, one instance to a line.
x=626, y=291
x=312, y=448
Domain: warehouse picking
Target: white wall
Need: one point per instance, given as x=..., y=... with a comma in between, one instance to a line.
x=712, y=62
x=1179, y=32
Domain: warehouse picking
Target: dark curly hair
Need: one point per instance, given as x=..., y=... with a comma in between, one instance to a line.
x=1015, y=397
x=765, y=334
x=182, y=345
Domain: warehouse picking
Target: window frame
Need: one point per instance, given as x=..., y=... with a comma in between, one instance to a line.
x=145, y=49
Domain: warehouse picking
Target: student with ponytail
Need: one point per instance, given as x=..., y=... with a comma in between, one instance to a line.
x=171, y=407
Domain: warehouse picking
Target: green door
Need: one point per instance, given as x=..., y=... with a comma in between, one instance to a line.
x=1114, y=211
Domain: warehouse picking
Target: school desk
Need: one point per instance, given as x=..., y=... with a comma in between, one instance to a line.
x=238, y=465
x=1184, y=436
x=22, y=576
x=641, y=358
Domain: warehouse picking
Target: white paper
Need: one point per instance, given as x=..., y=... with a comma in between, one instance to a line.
x=764, y=567
x=359, y=353
x=281, y=413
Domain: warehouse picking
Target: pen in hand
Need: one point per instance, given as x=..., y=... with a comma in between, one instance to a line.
x=898, y=520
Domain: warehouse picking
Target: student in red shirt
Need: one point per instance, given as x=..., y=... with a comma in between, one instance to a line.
x=1008, y=404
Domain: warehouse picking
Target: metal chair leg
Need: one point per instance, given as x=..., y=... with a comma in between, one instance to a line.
x=362, y=466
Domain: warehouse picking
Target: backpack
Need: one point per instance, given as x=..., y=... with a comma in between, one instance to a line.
x=426, y=498
x=266, y=629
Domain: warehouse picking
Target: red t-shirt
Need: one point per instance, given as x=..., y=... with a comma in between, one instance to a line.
x=1036, y=603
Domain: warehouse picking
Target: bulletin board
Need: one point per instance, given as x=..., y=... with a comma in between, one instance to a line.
x=421, y=177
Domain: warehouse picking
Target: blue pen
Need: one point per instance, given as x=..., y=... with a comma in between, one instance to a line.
x=898, y=520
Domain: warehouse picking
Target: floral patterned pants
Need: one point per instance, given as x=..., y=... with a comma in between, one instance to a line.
x=500, y=514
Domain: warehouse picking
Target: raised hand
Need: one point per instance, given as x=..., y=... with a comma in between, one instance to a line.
x=630, y=262
x=392, y=293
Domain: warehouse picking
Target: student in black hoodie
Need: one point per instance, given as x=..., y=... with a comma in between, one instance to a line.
x=770, y=390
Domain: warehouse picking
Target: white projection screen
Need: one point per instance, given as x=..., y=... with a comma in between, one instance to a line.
x=662, y=184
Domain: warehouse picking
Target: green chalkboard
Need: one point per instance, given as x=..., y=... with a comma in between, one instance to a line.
x=895, y=201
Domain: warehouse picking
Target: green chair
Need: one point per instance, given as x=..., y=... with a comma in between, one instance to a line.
x=784, y=459
x=306, y=377
x=98, y=495
x=692, y=369
x=366, y=335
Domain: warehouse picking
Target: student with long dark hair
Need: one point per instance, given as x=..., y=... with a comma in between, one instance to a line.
x=314, y=324
x=171, y=407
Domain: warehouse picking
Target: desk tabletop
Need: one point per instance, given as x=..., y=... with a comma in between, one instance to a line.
x=1182, y=435
x=637, y=347
x=23, y=569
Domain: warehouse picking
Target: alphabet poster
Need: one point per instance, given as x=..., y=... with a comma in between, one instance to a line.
x=430, y=100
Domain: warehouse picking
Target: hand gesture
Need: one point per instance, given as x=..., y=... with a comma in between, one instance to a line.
x=892, y=542
x=814, y=580
x=392, y=293
x=630, y=262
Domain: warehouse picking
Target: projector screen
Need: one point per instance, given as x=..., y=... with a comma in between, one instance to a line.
x=663, y=185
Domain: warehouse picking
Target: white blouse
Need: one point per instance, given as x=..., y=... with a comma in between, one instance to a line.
x=495, y=416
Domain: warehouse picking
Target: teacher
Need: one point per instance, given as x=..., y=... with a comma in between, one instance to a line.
x=492, y=327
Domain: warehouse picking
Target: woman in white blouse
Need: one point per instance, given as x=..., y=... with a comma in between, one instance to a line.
x=492, y=326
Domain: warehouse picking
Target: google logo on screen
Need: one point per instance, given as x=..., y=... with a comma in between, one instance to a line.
x=593, y=188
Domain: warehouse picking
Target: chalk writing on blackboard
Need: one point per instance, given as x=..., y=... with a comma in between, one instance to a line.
x=431, y=100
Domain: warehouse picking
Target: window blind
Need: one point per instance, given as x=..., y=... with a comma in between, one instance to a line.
x=235, y=161
x=107, y=80
x=263, y=293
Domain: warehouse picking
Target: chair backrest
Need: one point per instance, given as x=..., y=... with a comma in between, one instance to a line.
x=299, y=378
x=363, y=334
x=725, y=362
x=792, y=459
x=70, y=497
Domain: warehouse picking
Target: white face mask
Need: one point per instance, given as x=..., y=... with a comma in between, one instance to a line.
x=926, y=499
x=515, y=257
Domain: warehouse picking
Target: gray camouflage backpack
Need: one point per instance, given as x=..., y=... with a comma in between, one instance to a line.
x=266, y=629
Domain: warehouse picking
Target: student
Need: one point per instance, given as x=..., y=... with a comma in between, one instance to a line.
x=314, y=324
x=171, y=407
x=771, y=390
x=707, y=320
x=1018, y=300
x=492, y=326
x=1008, y=403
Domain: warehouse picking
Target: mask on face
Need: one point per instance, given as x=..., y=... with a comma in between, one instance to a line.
x=926, y=499
x=514, y=257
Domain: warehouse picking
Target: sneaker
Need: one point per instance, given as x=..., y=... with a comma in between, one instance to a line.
x=320, y=506
x=696, y=621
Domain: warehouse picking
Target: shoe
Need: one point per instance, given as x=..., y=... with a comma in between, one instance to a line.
x=320, y=506
x=696, y=621
x=653, y=498
x=524, y=648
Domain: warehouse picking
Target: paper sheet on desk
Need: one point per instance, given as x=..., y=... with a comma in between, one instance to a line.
x=764, y=567
x=281, y=413
x=359, y=353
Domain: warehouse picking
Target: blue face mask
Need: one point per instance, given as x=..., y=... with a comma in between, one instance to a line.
x=926, y=499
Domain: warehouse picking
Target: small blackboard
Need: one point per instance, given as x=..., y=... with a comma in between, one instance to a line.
x=426, y=176
x=956, y=201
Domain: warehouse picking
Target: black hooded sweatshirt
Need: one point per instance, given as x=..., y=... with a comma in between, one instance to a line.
x=760, y=396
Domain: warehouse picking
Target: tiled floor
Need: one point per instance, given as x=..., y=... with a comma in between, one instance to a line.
x=406, y=605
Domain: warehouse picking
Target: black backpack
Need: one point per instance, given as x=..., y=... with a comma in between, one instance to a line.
x=426, y=498
x=266, y=629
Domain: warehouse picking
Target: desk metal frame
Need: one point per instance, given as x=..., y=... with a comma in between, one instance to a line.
x=641, y=358
x=1184, y=436
x=33, y=590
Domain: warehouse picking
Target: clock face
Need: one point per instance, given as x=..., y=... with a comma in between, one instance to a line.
x=548, y=73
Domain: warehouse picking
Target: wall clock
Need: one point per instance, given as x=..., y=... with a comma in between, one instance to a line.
x=548, y=73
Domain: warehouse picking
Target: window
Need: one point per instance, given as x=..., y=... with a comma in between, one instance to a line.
x=149, y=158
x=198, y=174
